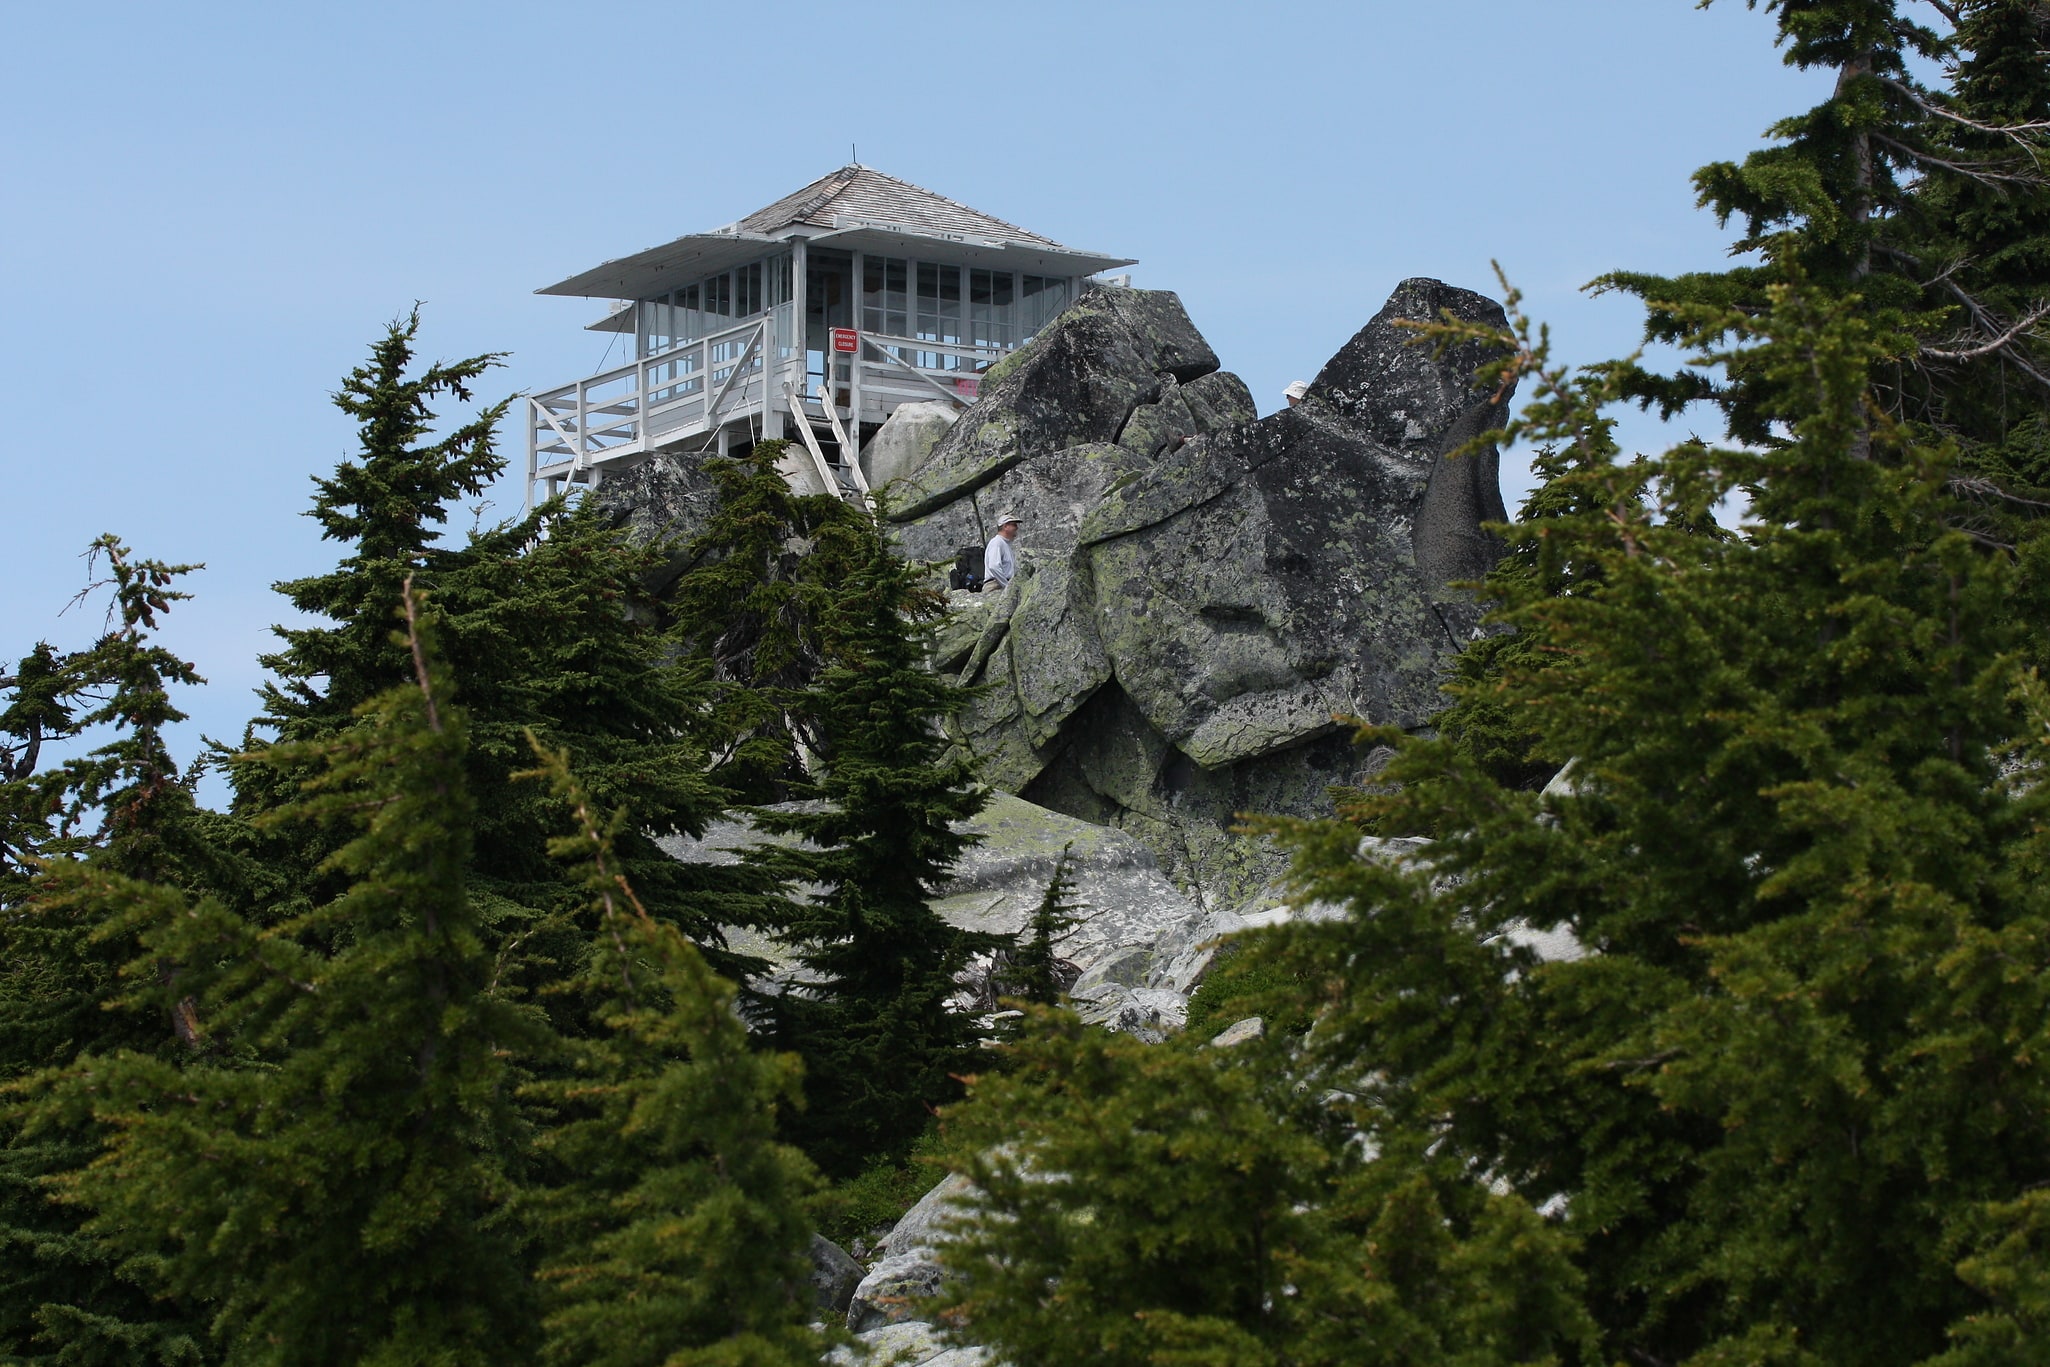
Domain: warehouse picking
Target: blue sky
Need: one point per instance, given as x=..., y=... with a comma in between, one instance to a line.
x=210, y=209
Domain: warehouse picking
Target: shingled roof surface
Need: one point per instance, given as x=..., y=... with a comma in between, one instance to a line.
x=859, y=192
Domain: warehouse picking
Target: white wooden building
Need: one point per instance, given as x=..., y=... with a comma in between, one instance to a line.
x=813, y=318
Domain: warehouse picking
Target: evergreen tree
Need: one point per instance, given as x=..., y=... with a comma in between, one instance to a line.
x=1795, y=1088
x=871, y=1012
x=673, y=1220
x=753, y=610
x=331, y=1177
x=1034, y=970
x=120, y=807
x=547, y=622
x=1924, y=210
x=1142, y=1204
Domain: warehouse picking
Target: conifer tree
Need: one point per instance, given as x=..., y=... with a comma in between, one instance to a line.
x=121, y=807
x=1034, y=974
x=331, y=1177
x=545, y=619
x=873, y=1015
x=753, y=611
x=1140, y=1204
x=1923, y=209
x=672, y=1218
x=1788, y=1089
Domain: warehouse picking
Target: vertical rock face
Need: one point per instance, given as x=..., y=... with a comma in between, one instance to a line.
x=1205, y=591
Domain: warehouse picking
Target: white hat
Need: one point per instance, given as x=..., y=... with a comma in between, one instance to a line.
x=1006, y=519
x=1296, y=390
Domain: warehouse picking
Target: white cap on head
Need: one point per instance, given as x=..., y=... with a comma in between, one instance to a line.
x=1296, y=390
x=1007, y=519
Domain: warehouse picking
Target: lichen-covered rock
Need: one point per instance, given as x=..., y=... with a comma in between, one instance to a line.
x=910, y=1343
x=895, y=1289
x=998, y=881
x=1077, y=382
x=666, y=501
x=1211, y=596
x=925, y=1224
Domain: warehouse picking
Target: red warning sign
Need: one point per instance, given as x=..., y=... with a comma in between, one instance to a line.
x=846, y=340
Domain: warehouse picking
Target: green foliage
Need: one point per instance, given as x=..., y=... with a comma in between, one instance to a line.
x=331, y=1178
x=121, y=806
x=874, y=1199
x=1165, y=1204
x=1241, y=984
x=674, y=1221
x=549, y=625
x=1800, y=1075
x=874, y=1018
x=753, y=610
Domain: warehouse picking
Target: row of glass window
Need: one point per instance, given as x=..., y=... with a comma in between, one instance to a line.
x=1004, y=309
x=686, y=314
x=900, y=297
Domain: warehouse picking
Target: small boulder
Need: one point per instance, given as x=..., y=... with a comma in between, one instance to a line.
x=894, y=1290
x=834, y=1275
x=1249, y=1029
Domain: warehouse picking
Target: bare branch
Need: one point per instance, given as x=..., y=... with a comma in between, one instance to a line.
x=2034, y=316
x=1984, y=172
x=2013, y=131
x=419, y=655
x=1991, y=326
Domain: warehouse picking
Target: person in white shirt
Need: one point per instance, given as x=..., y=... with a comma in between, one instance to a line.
x=999, y=560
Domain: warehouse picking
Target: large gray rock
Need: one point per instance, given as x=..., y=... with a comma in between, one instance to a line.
x=905, y=441
x=1078, y=382
x=925, y=1224
x=1204, y=595
x=908, y=1273
x=665, y=501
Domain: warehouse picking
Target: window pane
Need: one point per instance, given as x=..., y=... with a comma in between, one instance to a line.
x=939, y=313
x=1043, y=297
x=990, y=310
x=883, y=295
x=690, y=321
x=719, y=295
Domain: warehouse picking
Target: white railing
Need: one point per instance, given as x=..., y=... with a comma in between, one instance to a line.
x=746, y=369
x=689, y=388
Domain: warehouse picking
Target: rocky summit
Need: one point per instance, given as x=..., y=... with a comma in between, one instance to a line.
x=1203, y=593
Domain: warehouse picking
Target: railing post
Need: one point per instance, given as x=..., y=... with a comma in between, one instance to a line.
x=533, y=456
x=583, y=447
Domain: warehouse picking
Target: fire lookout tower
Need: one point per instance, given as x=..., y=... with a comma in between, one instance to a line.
x=814, y=317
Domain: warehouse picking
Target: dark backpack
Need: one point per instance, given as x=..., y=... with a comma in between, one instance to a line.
x=967, y=571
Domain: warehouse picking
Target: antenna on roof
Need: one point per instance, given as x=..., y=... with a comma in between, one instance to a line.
x=853, y=157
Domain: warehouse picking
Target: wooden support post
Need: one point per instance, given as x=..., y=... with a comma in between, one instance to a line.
x=852, y=457
x=800, y=303
x=854, y=358
x=811, y=444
